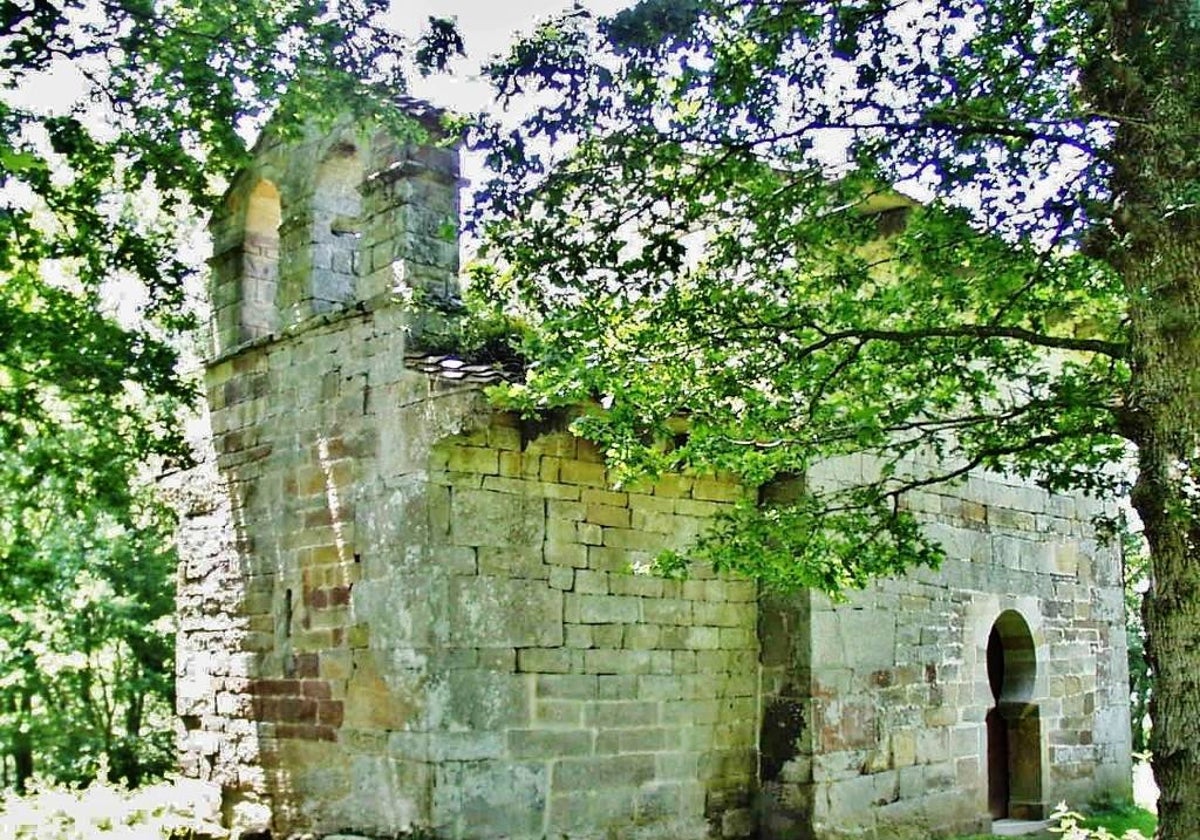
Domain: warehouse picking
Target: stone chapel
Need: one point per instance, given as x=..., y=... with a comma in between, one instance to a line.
x=406, y=614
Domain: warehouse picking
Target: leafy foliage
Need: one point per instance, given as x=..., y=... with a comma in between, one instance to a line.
x=94, y=187
x=693, y=221
x=86, y=622
x=170, y=809
x=1071, y=825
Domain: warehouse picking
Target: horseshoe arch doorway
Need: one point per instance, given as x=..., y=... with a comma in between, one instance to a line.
x=1014, y=731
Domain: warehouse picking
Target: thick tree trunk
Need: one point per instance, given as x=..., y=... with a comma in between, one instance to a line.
x=1165, y=425
x=1173, y=627
x=1145, y=75
x=1164, y=276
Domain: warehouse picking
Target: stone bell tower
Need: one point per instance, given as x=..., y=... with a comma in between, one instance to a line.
x=330, y=221
x=324, y=248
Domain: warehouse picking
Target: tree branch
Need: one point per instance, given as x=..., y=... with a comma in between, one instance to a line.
x=1113, y=349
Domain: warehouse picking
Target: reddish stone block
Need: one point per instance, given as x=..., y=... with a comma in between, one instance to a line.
x=308, y=664
x=848, y=727
x=298, y=710
x=330, y=712
x=305, y=732
x=339, y=596
x=276, y=687
x=318, y=689
x=268, y=708
x=288, y=731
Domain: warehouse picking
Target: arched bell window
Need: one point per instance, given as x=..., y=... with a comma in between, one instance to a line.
x=260, y=262
x=337, y=228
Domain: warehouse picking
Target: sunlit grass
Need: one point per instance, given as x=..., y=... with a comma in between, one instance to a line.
x=1116, y=821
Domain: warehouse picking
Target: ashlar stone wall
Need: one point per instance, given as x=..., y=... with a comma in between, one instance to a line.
x=401, y=610
x=888, y=694
x=447, y=634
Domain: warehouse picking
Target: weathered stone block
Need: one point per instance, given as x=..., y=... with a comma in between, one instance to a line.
x=478, y=701
x=712, y=490
x=583, y=472
x=490, y=798
x=496, y=519
x=502, y=611
x=608, y=498
x=588, y=811
x=544, y=660
x=602, y=609
x=667, y=611
x=559, y=713
x=622, y=713
x=629, y=583
x=591, y=583
x=608, y=516
x=673, y=486
x=512, y=561
x=570, y=687
x=549, y=743
x=616, y=661
x=562, y=578
x=637, y=740
x=601, y=772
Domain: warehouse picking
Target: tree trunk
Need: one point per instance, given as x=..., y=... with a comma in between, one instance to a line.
x=1173, y=627
x=1165, y=406
x=1164, y=275
x=22, y=742
x=1145, y=74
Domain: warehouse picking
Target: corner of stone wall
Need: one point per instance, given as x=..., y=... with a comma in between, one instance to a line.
x=216, y=736
x=785, y=739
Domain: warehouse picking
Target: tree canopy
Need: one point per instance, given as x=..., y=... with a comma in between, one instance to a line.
x=702, y=214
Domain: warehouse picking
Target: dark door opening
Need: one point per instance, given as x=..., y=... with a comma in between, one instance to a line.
x=997, y=734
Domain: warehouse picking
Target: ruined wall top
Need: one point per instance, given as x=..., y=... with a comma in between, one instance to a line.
x=329, y=220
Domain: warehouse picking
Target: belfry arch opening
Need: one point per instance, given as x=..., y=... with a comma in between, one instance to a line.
x=1013, y=722
x=337, y=221
x=260, y=262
